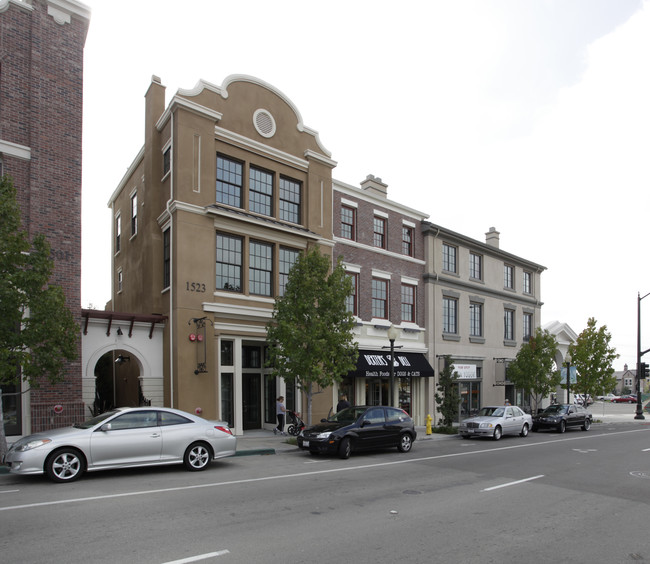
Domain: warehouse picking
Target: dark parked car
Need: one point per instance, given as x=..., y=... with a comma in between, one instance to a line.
x=561, y=416
x=360, y=428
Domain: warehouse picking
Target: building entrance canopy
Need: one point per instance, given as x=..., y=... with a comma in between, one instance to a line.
x=376, y=364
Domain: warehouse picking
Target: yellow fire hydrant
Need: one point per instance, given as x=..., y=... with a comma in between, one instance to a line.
x=429, y=420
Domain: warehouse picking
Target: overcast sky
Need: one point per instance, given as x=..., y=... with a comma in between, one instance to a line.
x=531, y=116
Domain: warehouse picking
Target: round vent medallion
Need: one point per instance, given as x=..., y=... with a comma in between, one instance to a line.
x=264, y=123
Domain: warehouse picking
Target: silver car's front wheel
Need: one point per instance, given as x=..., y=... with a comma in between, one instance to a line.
x=197, y=457
x=64, y=465
x=524, y=430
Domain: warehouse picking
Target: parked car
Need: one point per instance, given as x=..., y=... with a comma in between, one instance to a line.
x=360, y=428
x=628, y=398
x=121, y=438
x=495, y=421
x=583, y=399
x=607, y=397
x=560, y=416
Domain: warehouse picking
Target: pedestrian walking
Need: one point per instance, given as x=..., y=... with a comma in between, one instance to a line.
x=280, y=410
x=343, y=403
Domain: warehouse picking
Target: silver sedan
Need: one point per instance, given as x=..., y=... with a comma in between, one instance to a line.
x=121, y=438
x=495, y=421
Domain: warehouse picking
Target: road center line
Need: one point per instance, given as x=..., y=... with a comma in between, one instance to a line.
x=512, y=483
x=312, y=473
x=198, y=557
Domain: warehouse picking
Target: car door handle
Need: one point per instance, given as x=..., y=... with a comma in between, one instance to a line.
x=155, y=435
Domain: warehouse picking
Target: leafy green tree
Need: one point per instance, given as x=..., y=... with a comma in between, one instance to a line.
x=593, y=358
x=534, y=369
x=38, y=333
x=447, y=396
x=311, y=329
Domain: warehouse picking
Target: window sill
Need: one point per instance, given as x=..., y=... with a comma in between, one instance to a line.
x=450, y=337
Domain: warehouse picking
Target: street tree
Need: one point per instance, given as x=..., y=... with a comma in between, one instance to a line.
x=593, y=358
x=534, y=370
x=38, y=333
x=447, y=397
x=311, y=330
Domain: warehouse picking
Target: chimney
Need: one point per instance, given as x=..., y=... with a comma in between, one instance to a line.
x=492, y=237
x=374, y=185
x=625, y=367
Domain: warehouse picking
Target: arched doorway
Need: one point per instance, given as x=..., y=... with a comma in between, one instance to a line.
x=117, y=382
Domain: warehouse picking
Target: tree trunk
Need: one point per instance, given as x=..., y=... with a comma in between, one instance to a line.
x=3, y=437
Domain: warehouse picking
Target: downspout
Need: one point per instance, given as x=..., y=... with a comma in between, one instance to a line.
x=171, y=270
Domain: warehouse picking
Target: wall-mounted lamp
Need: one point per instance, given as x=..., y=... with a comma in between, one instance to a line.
x=119, y=331
x=120, y=359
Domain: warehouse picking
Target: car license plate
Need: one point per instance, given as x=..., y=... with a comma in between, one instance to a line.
x=305, y=443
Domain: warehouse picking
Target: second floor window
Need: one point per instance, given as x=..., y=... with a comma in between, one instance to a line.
x=118, y=233
x=229, y=263
x=476, y=320
x=379, y=232
x=509, y=276
x=260, y=272
x=260, y=193
x=348, y=223
x=475, y=266
x=449, y=315
x=229, y=181
x=528, y=282
x=287, y=259
x=528, y=326
x=408, y=303
x=166, y=259
x=351, y=300
x=449, y=257
x=380, y=298
x=167, y=160
x=509, y=325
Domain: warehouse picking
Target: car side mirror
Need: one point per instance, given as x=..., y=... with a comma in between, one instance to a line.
x=323, y=420
x=365, y=422
x=105, y=427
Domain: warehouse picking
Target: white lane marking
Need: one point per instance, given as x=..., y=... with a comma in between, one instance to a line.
x=198, y=557
x=645, y=450
x=512, y=483
x=9, y=491
x=315, y=472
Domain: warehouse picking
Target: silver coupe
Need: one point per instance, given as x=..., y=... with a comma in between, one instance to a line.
x=122, y=438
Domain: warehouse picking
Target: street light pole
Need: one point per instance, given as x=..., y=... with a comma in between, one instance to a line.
x=567, y=359
x=392, y=335
x=639, y=354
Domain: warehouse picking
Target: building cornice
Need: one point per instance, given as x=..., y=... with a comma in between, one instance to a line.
x=188, y=105
x=341, y=241
x=14, y=149
x=63, y=10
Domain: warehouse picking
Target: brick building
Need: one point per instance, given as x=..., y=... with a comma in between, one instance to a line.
x=41, y=95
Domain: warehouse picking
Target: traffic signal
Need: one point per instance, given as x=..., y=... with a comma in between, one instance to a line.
x=644, y=370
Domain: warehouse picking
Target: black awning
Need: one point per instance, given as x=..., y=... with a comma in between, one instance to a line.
x=376, y=364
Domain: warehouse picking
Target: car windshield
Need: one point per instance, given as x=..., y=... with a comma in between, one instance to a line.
x=556, y=409
x=95, y=420
x=347, y=415
x=491, y=412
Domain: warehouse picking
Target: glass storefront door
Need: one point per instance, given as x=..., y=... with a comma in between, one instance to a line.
x=470, y=397
x=377, y=391
x=252, y=401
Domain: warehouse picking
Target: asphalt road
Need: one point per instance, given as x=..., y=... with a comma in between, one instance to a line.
x=577, y=497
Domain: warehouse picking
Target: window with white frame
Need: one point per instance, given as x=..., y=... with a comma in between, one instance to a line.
x=348, y=223
x=476, y=266
x=351, y=301
x=290, y=197
x=260, y=191
x=407, y=240
x=408, y=303
x=380, y=298
x=229, y=263
x=230, y=181
x=260, y=271
x=379, y=232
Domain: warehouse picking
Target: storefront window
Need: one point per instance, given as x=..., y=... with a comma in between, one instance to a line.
x=251, y=357
x=227, y=396
x=269, y=399
x=227, y=353
x=470, y=397
x=405, y=394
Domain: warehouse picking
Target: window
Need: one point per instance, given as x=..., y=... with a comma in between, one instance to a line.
x=348, y=223
x=167, y=160
x=260, y=271
x=449, y=315
x=475, y=266
x=380, y=298
x=288, y=258
x=120, y=280
x=289, y=200
x=528, y=326
x=448, y=257
x=509, y=325
x=408, y=303
x=229, y=263
x=229, y=181
x=118, y=233
x=509, y=276
x=379, y=232
x=475, y=319
x=134, y=214
x=166, y=259
x=260, y=195
x=528, y=282
x=351, y=300
x=407, y=241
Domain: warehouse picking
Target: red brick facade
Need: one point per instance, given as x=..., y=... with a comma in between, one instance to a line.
x=41, y=103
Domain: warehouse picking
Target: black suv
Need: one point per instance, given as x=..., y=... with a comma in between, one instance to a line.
x=360, y=428
x=559, y=416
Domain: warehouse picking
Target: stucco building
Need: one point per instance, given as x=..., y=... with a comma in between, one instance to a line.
x=41, y=81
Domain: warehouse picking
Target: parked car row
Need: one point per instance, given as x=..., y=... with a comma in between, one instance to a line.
x=496, y=421
x=625, y=398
